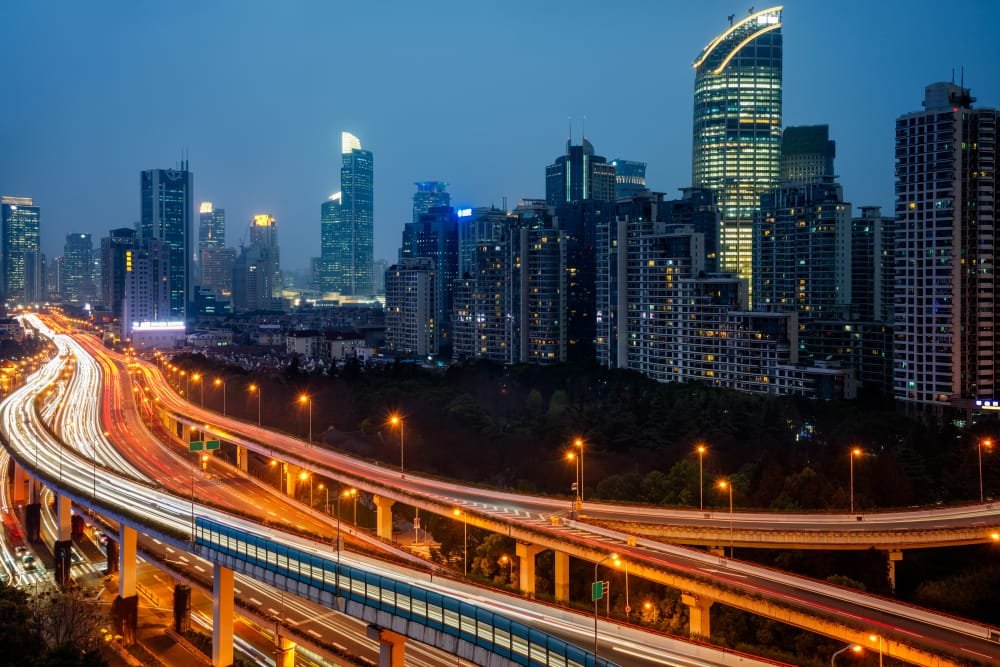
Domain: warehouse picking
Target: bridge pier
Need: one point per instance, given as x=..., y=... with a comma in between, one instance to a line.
x=526, y=566
x=383, y=517
x=291, y=477
x=64, y=539
x=698, y=614
x=390, y=644
x=242, y=458
x=222, y=616
x=561, y=576
x=125, y=609
x=894, y=556
x=20, y=486
x=284, y=649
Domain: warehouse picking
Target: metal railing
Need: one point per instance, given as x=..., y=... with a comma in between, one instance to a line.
x=485, y=629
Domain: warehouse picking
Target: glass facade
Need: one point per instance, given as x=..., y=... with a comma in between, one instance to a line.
x=78, y=266
x=429, y=194
x=737, y=127
x=211, y=226
x=166, y=211
x=347, y=232
x=20, y=230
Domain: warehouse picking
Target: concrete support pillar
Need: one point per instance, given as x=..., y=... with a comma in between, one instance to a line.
x=562, y=576
x=526, y=566
x=242, y=458
x=64, y=518
x=222, y=616
x=126, y=561
x=383, y=517
x=700, y=622
x=895, y=556
x=284, y=649
x=391, y=646
x=21, y=482
x=291, y=477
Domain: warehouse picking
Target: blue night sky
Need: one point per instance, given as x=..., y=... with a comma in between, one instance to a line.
x=473, y=93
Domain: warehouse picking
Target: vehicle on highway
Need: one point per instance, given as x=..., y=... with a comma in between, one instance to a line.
x=28, y=562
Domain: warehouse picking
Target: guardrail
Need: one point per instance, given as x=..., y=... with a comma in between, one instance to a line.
x=507, y=638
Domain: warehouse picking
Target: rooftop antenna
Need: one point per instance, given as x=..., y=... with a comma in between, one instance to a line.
x=962, y=84
x=584, y=128
x=952, y=75
x=751, y=10
x=731, y=17
x=569, y=138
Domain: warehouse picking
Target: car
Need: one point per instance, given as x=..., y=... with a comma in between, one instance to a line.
x=20, y=550
x=28, y=562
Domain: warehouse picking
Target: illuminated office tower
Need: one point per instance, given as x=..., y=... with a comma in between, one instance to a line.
x=429, y=194
x=347, y=252
x=113, y=254
x=945, y=305
x=78, y=268
x=167, y=209
x=435, y=236
x=20, y=231
x=264, y=234
x=211, y=227
x=630, y=178
x=737, y=127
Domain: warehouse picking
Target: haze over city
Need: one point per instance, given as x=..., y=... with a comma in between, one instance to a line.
x=475, y=94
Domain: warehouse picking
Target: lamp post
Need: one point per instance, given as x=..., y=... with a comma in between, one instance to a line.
x=850, y=647
x=878, y=638
x=278, y=471
x=187, y=385
x=854, y=452
x=306, y=398
x=395, y=420
x=509, y=562
x=597, y=565
x=988, y=444
x=578, y=443
x=304, y=476
x=326, y=505
x=255, y=389
x=353, y=493
x=571, y=456
x=197, y=378
x=465, y=531
x=726, y=485
x=701, y=483
x=219, y=382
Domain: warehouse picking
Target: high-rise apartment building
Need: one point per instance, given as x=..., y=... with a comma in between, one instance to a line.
x=148, y=294
x=475, y=226
x=807, y=153
x=737, y=127
x=113, y=255
x=347, y=228
x=873, y=266
x=167, y=208
x=630, y=178
x=946, y=324
x=217, y=270
x=411, y=308
x=435, y=236
x=429, y=194
x=78, y=269
x=19, y=233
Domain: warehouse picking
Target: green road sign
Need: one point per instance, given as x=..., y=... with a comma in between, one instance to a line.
x=212, y=444
x=598, y=590
x=196, y=446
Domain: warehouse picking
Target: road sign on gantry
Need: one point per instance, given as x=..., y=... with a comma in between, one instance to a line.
x=598, y=590
x=212, y=444
x=196, y=446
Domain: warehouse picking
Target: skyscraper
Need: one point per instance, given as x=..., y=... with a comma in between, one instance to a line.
x=410, y=307
x=19, y=229
x=428, y=195
x=113, y=249
x=580, y=186
x=807, y=153
x=148, y=292
x=946, y=322
x=264, y=234
x=211, y=227
x=78, y=267
x=737, y=127
x=630, y=178
x=347, y=228
x=435, y=236
x=166, y=213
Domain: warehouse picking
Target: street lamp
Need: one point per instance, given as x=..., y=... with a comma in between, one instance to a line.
x=255, y=389
x=465, y=523
x=701, y=483
x=578, y=443
x=571, y=456
x=304, y=476
x=306, y=398
x=278, y=470
x=187, y=384
x=988, y=444
x=878, y=638
x=619, y=563
x=854, y=452
x=219, y=382
x=596, y=580
x=326, y=489
x=509, y=562
x=395, y=420
x=855, y=648
x=726, y=485
x=197, y=378
x=352, y=493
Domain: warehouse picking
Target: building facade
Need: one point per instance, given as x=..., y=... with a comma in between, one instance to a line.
x=737, y=127
x=211, y=227
x=435, y=236
x=20, y=222
x=78, y=269
x=429, y=194
x=630, y=178
x=807, y=153
x=945, y=308
x=410, y=308
x=347, y=228
x=166, y=216
x=148, y=295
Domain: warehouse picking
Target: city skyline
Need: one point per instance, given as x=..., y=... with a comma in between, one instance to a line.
x=286, y=161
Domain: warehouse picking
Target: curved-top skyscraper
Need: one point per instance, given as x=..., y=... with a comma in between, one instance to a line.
x=737, y=127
